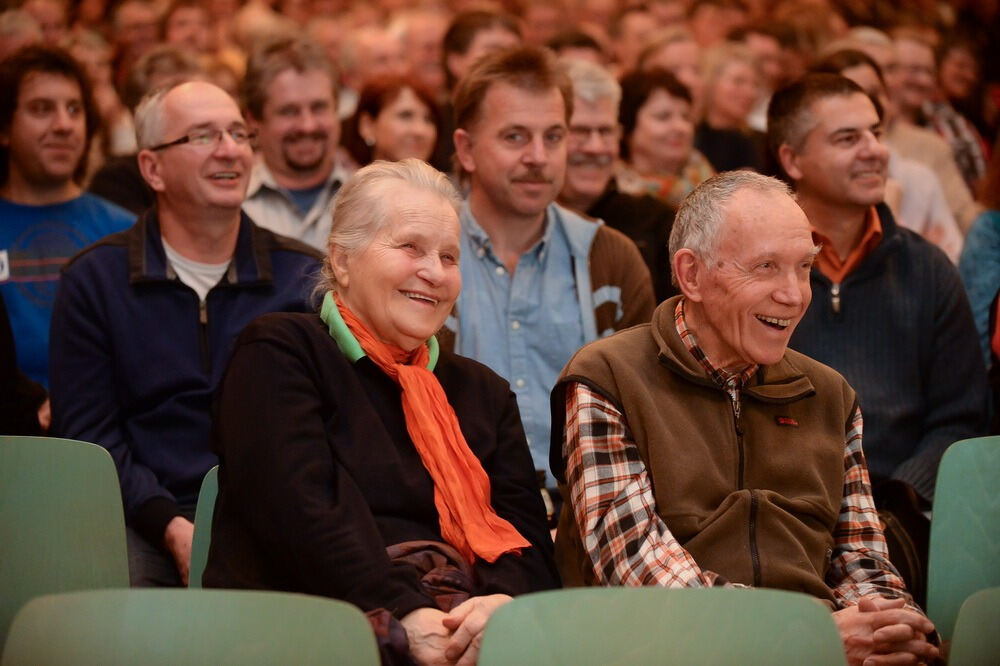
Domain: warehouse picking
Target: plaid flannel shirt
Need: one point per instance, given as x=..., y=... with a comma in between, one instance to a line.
x=629, y=544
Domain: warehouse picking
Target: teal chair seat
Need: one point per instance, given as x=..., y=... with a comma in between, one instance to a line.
x=976, y=641
x=191, y=627
x=203, y=526
x=62, y=526
x=602, y=626
x=965, y=529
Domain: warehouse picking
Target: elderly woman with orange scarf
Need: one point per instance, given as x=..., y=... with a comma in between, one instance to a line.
x=360, y=461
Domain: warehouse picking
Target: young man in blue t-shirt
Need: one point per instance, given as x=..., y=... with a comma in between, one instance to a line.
x=45, y=217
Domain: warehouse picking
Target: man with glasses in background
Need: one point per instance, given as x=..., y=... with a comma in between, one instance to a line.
x=590, y=188
x=145, y=319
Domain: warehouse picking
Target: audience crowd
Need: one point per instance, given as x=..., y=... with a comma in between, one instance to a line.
x=477, y=363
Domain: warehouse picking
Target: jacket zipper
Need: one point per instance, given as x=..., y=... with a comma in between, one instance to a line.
x=754, y=552
x=835, y=297
x=739, y=445
x=206, y=365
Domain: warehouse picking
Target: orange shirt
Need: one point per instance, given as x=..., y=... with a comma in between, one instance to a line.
x=829, y=262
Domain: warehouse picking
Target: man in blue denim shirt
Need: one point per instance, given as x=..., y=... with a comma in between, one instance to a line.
x=539, y=280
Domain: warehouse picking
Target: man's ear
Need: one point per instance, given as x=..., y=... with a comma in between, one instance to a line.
x=150, y=168
x=253, y=123
x=454, y=61
x=463, y=150
x=690, y=273
x=340, y=264
x=366, y=129
x=789, y=161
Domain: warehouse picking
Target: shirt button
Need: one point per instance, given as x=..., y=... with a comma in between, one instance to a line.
x=515, y=324
x=480, y=252
x=500, y=270
x=519, y=383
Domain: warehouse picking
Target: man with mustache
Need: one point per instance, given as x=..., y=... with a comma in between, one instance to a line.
x=889, y=311
x=539, y=280
x=289, y=97
x=590, y=188
x=144, y=320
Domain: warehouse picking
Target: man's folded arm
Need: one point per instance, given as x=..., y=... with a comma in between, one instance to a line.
x=613, y=503
x=860, y=563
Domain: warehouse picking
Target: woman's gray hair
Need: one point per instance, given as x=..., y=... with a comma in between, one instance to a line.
x=699, y=219
x=360, y=210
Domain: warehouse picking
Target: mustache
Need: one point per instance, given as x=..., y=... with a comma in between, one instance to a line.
x=583, y=159
x=532, y=176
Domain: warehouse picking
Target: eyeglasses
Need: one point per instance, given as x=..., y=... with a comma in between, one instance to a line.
x=210, y=137
x=606, y=133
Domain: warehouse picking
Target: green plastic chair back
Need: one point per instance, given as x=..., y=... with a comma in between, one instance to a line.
x=203, y=526
x=976, y=641
x=965, y=528
x=191, y=627
x=62, y=526
x=604, y=626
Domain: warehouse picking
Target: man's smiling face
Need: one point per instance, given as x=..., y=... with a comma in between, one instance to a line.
x=755, y=288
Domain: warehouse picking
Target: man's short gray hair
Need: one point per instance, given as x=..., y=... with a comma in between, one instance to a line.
x=699, y=219
x=150, y=120
x=593, y=83
x=360, y=210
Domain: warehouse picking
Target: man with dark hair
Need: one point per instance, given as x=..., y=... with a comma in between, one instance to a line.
x=145, y=320
x=889, y=310
x=471, y=35
x=47, y=120
x=539, y=280
x=576, y=44
x=921, y=204
x=290, y=100
x=630, y=30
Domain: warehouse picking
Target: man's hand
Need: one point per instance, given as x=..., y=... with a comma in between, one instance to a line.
x=45, y=415
x=468, y=621
x=177, y=538
x=427, y=636
x=883, y=631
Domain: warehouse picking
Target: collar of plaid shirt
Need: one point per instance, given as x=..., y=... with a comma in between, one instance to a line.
x=732, y=382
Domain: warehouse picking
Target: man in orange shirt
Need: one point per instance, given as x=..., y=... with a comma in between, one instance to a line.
x=888, y=310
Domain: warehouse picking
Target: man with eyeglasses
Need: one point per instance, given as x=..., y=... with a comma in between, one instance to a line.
x=144, y=321
x=590, y=188
x=289, y=95
x=47, y=119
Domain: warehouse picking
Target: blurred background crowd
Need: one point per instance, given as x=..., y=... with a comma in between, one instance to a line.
x=404, y=56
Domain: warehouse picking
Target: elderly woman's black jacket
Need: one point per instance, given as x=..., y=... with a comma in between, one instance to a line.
x=318, y=474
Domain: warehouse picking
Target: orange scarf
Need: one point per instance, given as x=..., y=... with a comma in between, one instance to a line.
x=461, y=487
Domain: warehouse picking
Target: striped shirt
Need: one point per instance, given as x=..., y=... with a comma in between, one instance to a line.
x=629, y=544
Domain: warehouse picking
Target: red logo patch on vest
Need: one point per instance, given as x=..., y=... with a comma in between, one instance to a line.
x=786, y=421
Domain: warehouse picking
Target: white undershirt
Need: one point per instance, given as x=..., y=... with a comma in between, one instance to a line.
x=200, y=277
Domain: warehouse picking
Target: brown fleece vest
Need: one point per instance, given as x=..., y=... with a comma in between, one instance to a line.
x=755, y=500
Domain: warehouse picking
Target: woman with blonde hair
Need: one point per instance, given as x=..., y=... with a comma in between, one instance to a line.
x=731, y=86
